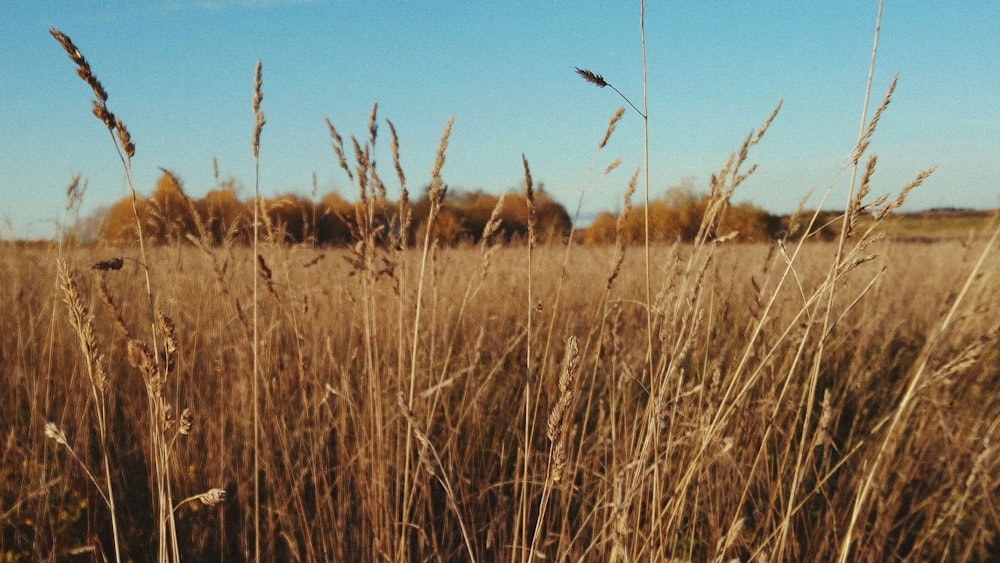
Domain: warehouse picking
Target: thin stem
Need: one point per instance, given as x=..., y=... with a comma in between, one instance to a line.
x=525, y=491
x=642, y=113
x=648, y=281
x=259, y=125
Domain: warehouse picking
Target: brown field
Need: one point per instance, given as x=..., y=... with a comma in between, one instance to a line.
x=781, y=409
x=937, y=225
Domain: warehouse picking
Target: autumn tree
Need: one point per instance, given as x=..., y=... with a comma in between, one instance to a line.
x=468, y=213
x=601, y=231
x=678, y=214
x=334, y=220
x=226, y=218
x=119, y=226
x=172, y=213
x=169, y=215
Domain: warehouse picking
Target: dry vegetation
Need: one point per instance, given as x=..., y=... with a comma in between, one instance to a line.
x=739, y=445
x=403, y=400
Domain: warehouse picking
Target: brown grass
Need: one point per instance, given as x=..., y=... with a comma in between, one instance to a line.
x=725, y=439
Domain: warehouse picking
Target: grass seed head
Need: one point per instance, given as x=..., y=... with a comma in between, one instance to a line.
x=592, y=77
x=611, y=126
x=186, y=421
x=212, y=497
x=258, y=97
x=55, y=433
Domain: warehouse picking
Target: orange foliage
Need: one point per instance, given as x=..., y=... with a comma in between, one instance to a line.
x=677, y=215
x=169, y=216
x=225, y=217
x=119, y=226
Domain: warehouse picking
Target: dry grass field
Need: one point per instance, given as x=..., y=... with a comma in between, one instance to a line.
x=403, y=400
x=767, y=428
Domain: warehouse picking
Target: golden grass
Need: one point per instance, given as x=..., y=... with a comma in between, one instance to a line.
x=725, y=457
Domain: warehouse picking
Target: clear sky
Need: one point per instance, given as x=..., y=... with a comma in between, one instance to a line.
x=180, y=75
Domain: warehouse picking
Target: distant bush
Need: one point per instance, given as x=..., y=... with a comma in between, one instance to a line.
x=169, y=216
x=677, y=215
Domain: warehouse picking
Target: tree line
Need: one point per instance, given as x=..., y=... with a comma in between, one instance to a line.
x=170, y=216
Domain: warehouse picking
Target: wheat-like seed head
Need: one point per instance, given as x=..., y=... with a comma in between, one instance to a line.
x=212, y=497
x=592, y=77
x=378, y=186
x=611, y=127
x=100, y=104
x=553, y=425
x=865, y=139
x=488, y=231
x=102, y=113
x=857, y=202
x=166, y=411
x=571, y=368
x=425, y=444
x=866, y=181
x=166, y=327
x=55, y=434
x=923, y=175
x=437, y=190
x=598, y=80
x=558, y=467
x=109, y=302
x=71, y=295
x=493, y=225
x=561, y=414
x=612, y=165
x=744, y=150
x=101, y=372
x=731, y=536
x=620, y=229
x=394, y=147
x=767, y=123
x=442, y=148
x=529, y=197
x=124, y=137
x=185, y=423
x=109, y=264
x=82, y=321
x=74, y=194
x=822, y=435
x=258, y=97
x=373, y=125
x=369, y=184
x=405, y=213
x=266, y=275
x=199, y=224
x=337, y=142
x=83, y=67
x=140, y=358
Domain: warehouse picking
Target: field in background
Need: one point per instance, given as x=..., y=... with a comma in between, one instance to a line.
x=934, y=225
x=751, y=438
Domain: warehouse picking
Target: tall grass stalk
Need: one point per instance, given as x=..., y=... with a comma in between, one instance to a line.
x=122, y=140
x=809, y=396
x=647, y=262
x=435, y=195
x=97, y=376
x=529, y=375
x=258, y=96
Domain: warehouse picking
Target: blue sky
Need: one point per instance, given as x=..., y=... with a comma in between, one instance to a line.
x=180, y=74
